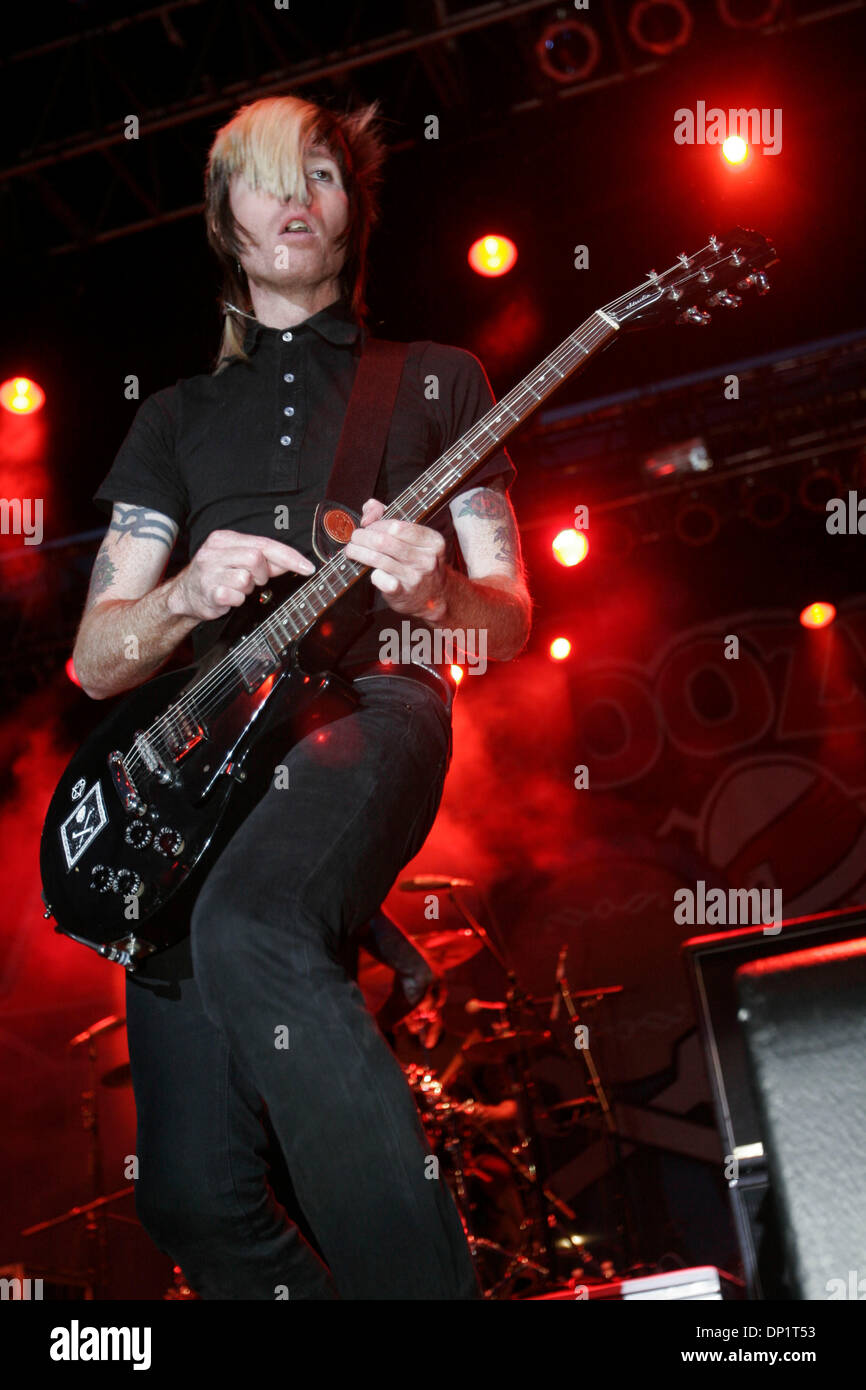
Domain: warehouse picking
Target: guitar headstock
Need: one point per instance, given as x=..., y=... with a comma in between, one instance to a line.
x=696, y=284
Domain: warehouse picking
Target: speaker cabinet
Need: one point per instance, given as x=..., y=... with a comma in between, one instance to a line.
x=803, y=1016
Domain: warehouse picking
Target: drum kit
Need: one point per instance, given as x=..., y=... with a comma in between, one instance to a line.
x=522, y=1234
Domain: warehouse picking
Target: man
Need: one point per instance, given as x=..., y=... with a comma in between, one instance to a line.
x=290, y=201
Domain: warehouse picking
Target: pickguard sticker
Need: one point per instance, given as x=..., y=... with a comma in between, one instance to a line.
x=82, y=826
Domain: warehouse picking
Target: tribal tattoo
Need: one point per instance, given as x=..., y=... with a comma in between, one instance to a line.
x=144, y=524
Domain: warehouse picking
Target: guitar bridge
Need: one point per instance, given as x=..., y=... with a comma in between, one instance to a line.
x=124, y=786
x=153, y=760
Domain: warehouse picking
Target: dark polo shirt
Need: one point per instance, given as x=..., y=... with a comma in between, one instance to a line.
x=231, y=451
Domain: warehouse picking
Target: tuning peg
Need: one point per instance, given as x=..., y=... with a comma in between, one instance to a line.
x=726, y=300
x=714, y=241
x=747, y=284
x=694, y=315
x=683, y=259
x=762, y=283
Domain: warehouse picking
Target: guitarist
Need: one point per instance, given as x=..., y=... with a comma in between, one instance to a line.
x=254, y=1018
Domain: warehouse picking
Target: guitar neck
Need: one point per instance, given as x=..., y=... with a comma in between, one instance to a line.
x=451, y=470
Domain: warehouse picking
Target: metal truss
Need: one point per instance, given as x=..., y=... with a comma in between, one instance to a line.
x=70, y=176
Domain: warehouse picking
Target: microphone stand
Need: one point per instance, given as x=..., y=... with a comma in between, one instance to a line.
x=624, y=1225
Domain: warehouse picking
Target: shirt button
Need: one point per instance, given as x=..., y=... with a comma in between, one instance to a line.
x=286, y=439
x=288, y=376
x=287, y=337
x=289, y=410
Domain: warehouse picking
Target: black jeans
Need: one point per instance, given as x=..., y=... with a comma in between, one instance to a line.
x=273, y=1021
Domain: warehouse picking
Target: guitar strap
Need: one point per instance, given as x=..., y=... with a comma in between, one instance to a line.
x=362, y=443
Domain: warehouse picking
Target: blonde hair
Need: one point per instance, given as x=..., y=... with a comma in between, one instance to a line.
x=265, y=142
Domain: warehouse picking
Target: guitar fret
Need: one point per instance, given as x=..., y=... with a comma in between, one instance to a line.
x=298, y=614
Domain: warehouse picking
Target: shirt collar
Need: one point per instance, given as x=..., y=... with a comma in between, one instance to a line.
x=335, y=324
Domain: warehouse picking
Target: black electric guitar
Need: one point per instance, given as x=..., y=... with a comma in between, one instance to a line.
x=154, y=794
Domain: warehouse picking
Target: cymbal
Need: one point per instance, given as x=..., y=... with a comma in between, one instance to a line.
x=504, y=1045
x=448, y=949
x=444, y=949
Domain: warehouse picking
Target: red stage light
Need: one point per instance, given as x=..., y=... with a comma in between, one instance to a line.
x=21, y=396
x=457, y=673
x=735, y=149
x=71, y=673
x=818, y=615
x=492, y=255
x=570, y=547
x=560, y=648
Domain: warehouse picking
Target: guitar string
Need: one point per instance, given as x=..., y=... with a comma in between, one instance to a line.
x=575, y=346
x=232, y=664
x=441, y=475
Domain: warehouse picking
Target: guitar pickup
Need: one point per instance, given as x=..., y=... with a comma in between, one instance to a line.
x=256, y=663
x=184, y=734
x=124, y=786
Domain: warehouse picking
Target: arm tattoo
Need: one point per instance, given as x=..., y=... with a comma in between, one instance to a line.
x=143, y=523
x=101, y=578
x=485, y=503
x=505, y=538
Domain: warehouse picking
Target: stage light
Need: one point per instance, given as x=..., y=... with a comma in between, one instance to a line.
x=818, y=615
x=560, y=648
x=568, y=51
x=816, y=488
x=71, y=673
x=735, y=149
x=457, y=673
x=21, y=396
x=763, y=505
x=696, y=523
x=687, y=456
x=755, y=18
x=660, y=26
x=570, y=547
x=492, y=255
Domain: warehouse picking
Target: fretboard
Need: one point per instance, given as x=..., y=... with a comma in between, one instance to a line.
x=447, y=475
x=261, y=649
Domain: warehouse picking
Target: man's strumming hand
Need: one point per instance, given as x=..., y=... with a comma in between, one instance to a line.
x=408, y=562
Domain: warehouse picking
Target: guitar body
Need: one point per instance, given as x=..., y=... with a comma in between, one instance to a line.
x=147, y=804
x=126, y=846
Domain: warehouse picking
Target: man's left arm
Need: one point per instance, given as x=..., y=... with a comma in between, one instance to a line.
x=409, y=567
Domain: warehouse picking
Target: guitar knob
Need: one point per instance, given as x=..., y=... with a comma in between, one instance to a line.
x=138, y=834
x=167, y=841
x=128, y=882
x=102, y=879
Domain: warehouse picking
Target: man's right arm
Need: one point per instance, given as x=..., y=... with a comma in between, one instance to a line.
x=132, y=623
